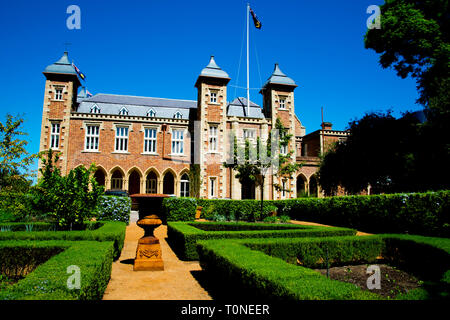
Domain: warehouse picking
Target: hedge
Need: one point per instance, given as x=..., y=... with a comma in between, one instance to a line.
x=114, y=208
x=257, y=268
x=415, y=213
x=182, y=236
x=49, y=280
x=109, y=231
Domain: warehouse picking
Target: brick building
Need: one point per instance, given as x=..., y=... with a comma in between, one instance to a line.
x=147, y=145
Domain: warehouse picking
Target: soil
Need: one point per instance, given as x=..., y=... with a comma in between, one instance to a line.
x=393, y=281
x=6, y=281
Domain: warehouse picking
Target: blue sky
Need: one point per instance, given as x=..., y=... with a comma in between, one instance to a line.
x=157, y=48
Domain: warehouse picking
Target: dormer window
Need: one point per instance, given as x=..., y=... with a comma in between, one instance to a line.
x=58, y=93
x=95, y=109
x=151, y=113
x=178, y=115
x=123, y=111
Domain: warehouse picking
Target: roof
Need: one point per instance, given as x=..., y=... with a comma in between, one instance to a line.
x=137, y=106
x=238, y=108
x=213, y=70
x=278, y=77
x=62, y=66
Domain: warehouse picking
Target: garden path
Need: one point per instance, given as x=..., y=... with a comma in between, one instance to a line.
x=174, y=283
x=306, y=223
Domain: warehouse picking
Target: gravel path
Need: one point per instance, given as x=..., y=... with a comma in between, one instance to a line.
x=174, y=283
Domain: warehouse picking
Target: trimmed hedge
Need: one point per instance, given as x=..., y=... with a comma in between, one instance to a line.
x=114, y=208
x=416, y=213
x=257, y=268
x=109, y=231
x=49, y=280
x=183, y=236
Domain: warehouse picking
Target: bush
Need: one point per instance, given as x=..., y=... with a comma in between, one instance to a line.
x=179, y=209
x=109, y=231
x=415, y=213
x=49, y=280
x=114, y=208
x=265, y=268
x=183, y=235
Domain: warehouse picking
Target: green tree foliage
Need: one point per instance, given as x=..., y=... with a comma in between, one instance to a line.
x=195, y=180
x=386, y=153
x=414, y=40
x=68, y=200
x=14, y=158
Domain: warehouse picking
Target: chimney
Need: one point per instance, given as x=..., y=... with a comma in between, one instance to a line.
x=327, y=126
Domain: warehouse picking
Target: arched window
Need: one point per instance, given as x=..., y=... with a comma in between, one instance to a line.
x=178, y=115
x=151, y=113
x=123, y=111
x=95, y=109
x=184, y=185
x=117, y=180
x=151, y=183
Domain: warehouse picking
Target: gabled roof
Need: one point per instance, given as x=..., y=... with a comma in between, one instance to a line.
x=62, y=66
x=238, y=108
x=278, y=77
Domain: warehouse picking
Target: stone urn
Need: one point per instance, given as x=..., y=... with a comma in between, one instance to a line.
x=148, y=252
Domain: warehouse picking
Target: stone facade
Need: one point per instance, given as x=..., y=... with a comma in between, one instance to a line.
x=89, y=130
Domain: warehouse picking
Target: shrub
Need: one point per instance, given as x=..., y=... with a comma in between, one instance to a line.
x=109, y=231
x=114, y=208
x=184, y=235
x=179, y=209
x=265, y=268
x=49, y=280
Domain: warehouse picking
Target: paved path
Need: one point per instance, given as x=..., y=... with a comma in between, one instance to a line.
x=174, y=283
x=306, y=223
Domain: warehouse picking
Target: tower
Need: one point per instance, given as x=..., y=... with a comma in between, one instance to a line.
x=61, y=87
x=211, y=129
x=278, y=102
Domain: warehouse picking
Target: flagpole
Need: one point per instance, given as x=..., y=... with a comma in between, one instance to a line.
x=248, y=63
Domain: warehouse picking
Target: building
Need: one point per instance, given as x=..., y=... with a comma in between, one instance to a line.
x=147, y=145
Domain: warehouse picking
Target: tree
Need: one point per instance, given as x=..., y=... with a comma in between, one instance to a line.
x=69, y=200
x=414, y=40
x=381, y=151
x=14, y=158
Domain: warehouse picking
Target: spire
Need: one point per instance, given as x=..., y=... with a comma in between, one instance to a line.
x=278, y=77
x=213, y=70
x=62, y=66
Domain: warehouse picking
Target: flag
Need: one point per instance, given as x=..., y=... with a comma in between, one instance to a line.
x=82, y=76
x=88, y=94
x=255, y=19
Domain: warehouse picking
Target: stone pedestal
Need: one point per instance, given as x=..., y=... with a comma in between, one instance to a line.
x=148, y=252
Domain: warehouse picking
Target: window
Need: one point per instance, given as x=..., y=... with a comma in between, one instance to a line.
x=283, y=147
x=184, y=185
x=150, y=140
x=95, y=109
x=123, y=111
x=54, y=136
x=151, y=183
x=282, y=103
x=213, y=97
x=122, y=139
x=178, y=115
x=177, y=141
x=117, y=180
x=92, y=137
x=213, y=138
x=58, y=93
x=249, y=134
x=151, y=113
x=283, y=186
x=212, y=187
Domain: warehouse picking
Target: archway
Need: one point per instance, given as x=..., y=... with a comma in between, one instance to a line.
x=100, y=177
x=117, y=180
x=184, y=185
x=301, y=186
x=248, y=189
x=134, y=183
x=169, y=183
x=313, y=190
x=151, y=183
